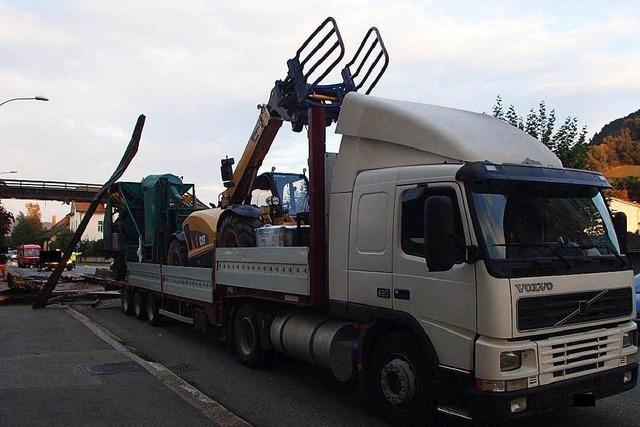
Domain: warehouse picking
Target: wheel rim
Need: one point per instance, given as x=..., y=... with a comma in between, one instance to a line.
x=150, y=311
x=137, y=304
x=398, y=381
x=246, y=337
x=124, y=298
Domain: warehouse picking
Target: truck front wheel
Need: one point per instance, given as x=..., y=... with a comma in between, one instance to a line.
x=246, y=336
x=400, y=381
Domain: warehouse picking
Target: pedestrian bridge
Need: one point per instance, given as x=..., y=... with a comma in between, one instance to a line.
x=47, y=190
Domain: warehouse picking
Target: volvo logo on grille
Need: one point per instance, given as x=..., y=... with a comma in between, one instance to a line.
x=534, y=287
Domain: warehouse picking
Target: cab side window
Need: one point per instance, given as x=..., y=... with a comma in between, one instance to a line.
x=412, y=221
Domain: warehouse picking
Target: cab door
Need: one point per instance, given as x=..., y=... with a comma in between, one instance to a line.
x=443, y=302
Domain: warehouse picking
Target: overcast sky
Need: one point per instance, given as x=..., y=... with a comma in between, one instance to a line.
x=198, y=69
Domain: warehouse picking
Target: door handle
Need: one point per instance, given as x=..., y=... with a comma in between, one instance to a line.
x=402, y=294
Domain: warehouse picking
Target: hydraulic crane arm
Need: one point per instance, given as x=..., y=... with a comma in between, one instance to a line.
x=262, y=137
x=292, y=97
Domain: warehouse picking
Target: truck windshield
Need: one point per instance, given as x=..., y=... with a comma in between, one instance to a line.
x=293, y=191
x=529, y=221
x=31, y=252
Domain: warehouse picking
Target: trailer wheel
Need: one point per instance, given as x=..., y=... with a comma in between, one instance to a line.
x=399, y=381
x=238, y=232
x=126, y=302
x=177, y=253
x=246, y=336
x=138, y=305
x=10, y=282
x=153, y=317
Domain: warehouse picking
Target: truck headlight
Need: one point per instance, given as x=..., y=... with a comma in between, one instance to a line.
x=510, y=360
x=630, y=338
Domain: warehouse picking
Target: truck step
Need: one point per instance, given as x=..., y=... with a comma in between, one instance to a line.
x=176, y=316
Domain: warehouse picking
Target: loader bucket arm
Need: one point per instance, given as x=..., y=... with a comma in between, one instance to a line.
x=254, y=153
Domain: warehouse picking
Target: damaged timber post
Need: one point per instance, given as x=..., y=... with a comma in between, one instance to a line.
x=128, y=156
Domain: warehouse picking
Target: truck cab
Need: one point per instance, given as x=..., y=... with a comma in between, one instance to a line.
x=470, y=235
x=28, y=255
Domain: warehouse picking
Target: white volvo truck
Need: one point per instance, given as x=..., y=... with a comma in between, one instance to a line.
x=467, y=273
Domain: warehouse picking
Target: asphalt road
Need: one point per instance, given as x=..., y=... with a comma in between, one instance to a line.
x=43, y=382
x=33, y=272
x=294, y=394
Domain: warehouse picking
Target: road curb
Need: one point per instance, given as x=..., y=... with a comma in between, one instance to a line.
x=207, y=406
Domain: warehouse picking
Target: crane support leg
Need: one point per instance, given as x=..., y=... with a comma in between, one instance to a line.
x=317, y=217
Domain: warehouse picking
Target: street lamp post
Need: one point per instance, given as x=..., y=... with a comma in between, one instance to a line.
x=35, y=98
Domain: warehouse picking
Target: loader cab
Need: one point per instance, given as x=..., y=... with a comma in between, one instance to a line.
x=281, y=196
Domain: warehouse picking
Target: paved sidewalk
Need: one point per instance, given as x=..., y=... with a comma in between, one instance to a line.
x=42, y=383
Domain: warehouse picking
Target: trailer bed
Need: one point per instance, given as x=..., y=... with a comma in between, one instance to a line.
x=274, y=269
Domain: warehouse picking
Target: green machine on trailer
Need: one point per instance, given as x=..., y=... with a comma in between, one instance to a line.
x=141, y=219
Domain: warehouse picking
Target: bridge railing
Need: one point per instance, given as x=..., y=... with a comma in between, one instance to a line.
x=49, y=185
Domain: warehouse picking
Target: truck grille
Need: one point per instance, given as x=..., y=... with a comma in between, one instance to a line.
x=547, y=311
x=574, y=355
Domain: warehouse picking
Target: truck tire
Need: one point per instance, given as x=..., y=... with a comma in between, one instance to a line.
x=138, y=305
x=400, y=382
x=153, y=317
x=246, y=336
x=126, y=302
x=177, y=253
x=238, y=232
x=10, y=281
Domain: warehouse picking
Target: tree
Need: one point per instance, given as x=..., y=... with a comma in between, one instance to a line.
x=512, y=117
x=61, y=239
x=497, y=108
x=33, y=211
x=6, y=219
x=92, y=247
x=28, y=229
x=567, y=142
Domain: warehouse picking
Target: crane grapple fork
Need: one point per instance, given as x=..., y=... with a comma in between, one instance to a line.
x=292, y=97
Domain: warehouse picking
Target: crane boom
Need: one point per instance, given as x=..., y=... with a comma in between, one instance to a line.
x=292, y=97
x=262, y=137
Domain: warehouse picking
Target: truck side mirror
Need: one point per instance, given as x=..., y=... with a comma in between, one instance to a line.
x=439, y=229
x=620, y=226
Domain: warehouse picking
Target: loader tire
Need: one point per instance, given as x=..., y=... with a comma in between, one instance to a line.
x=238, y=232
x=177, y=253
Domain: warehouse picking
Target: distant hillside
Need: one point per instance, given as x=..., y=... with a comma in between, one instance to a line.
x=614, y=128
x=616, y=145
x=622, y=171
